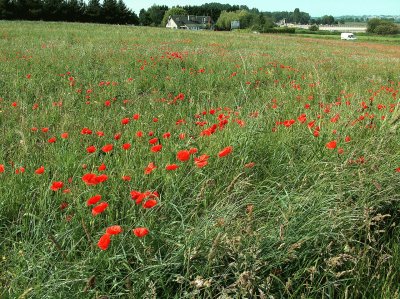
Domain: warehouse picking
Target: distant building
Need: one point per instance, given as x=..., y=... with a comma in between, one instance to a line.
x=235, y=25
x=189, y=22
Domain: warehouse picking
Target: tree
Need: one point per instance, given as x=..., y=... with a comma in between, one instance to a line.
x=172, y=12
x=109, y=12
x=93, y=11
x=6, y=9
x=144, y=18
x=52, y=10
x=156, y=14
x=382, y=27
x=74, y=10
x=296, y=16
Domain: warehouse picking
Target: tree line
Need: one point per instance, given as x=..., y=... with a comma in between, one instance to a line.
x=109, y=11
x=116, y=12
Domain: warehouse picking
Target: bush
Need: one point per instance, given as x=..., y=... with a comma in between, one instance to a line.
x=386, y=29
x=382, y=27
x=280, y=30
x=313, y=27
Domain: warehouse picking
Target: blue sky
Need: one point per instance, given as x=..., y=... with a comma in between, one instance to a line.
x=315, y=8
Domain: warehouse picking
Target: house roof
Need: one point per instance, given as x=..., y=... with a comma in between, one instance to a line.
x=191, y=21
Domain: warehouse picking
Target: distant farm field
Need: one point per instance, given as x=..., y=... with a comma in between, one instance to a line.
x=147, y=163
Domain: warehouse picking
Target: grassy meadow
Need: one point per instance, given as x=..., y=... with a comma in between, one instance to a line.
x=147, y=163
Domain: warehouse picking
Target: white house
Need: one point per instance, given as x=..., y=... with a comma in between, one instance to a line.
x=190, y=22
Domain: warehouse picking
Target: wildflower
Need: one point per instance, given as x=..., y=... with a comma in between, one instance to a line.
x=331, y=144
x=114, y=230
x=104, y=241
x=201, y=161
x=183, y=155
x=125, y=121
x=99, y=208
x=93, y=200
x=149, y=203
x=171, y=167
x=226, y=151
x=56, y=185
x=156, y=148
x=107, y=148
x=140, y=232
x=150, y=167
x=91, y=149
x=40, y=170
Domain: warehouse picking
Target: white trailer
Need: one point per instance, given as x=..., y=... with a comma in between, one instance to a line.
x=347, y=36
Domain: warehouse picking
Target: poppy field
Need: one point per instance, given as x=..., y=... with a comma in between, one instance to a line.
x=147, y=163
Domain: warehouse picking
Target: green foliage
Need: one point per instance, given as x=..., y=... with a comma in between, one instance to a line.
x=171, y=12
x=110, y=11
x=313, y=27
x=247, y=19
x=382, y=27
x=280, y=30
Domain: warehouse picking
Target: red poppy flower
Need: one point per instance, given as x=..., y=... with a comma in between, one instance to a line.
x=183, y=155
x=166, y=135
x=64, y=135
x=136, y=116
x=226, y=151
x=156, y=148
x=125, y=121
x=56, y=185
x=398, y=169
x=63, y=205
x=101, y=178
x=104, y=241
x=1, y=168
x=126, y=146
x=347, y=139
x=107, y=148
x=201, y=161
x=91, y=149
x=331, y=144
x=114, y=230
x=117, y=136
x=86, y=131
x=149, y=203
x=126, y=178
x=40, y=170
x=100, y=133
x=91, y=179
x=150, y=168
x=193, y=150
x=45, y=130
x=139, y=134
x=140, y=232
x=51, y=140
x=250, y=165
x=171, y=167
x=135, y=194
x=153, y=140
x=93, y=200
x=302, y=118
x=99, y=208
x=102, y=167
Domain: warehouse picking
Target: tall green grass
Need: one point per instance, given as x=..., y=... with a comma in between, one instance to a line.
x=304, y=222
